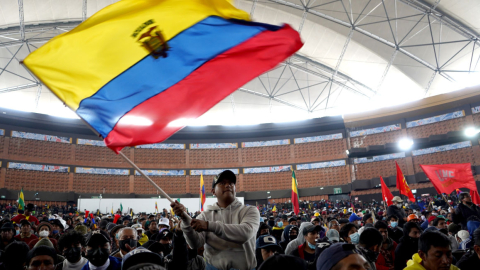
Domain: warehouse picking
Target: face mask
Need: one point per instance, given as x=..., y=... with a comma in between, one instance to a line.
x=73, y=255
x=413, y=240
x=399, y=205
x=97, y=256
x=17, y=232
x=372, y=256
x=131, y=242
x=43, y=234
x=394, y=224
x=166, y=249
x=293, y=237
x=280, y=224
x=354, y=238
x=55, y=231
x=311, y=246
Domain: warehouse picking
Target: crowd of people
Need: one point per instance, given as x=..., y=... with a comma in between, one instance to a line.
x=432, y=233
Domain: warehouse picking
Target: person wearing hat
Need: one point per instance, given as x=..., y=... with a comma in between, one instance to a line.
x=41, y=257
x=227, y=229
x=268, y=246
x=396, y=209
x=465, y=239
x=26, y=214
x=7, y=232
x=44, y=230
x=26, y=234
x=355, y=219
x=98, y=247
x=306, y=250
x=46, y=242
x=142, y=237
x=164, y=237
x=126, y=240
x=471, y=260
x=58, y=228
x=163, y=223
x=113, y=235
x=126, y=221
x=290, y=233
x=367, y=219
x=341, y=256
x=142, y=258
x=333, y=236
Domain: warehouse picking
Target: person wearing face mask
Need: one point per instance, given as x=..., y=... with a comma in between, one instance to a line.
x=289, y=233
x=277, y=230
x=408, y=245
x=72, y=246
x=396, y=209
x=355, y=219
x=349, y=233
x=126, y=241
x=44, y=230
x=369, y=245
x=465, y=210
x=98, y=247
x=394, y=231
x=164, y=237
x=306, y=250
x=264, y=229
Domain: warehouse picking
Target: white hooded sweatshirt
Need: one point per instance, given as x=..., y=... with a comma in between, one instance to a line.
x=230, y=239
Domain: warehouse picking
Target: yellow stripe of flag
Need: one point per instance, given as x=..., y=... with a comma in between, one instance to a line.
x=76, y=64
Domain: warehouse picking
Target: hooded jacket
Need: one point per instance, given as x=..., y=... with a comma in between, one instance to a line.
x=404, y=251
x=286, y=236
x=415, y=264
x=297, y=242
x=230, y=238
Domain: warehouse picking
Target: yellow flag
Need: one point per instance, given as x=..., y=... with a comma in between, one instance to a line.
x=274, y=208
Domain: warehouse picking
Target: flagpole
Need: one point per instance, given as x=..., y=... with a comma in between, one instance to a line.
x=148, y=178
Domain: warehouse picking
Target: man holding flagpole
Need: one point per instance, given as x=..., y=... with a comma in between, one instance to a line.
x=226, y=229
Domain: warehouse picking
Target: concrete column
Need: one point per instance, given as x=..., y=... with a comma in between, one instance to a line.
x=187, y=183
x=131, y=184
x=3, y=173
x=70, y=181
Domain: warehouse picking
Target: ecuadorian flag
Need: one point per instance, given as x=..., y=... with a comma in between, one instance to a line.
x=137, y=67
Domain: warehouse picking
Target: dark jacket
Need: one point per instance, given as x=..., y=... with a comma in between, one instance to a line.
x=300, y=252
x=115, y=264
x=396, y=234
x=286, y=236
x=469, y=261
x=393, y=210
x=362, y=251
x=463, y=212
x=404, y=252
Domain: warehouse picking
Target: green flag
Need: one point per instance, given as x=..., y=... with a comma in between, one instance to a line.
x=21, y=201
x=121, y=207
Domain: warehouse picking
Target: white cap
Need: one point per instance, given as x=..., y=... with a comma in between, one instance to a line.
x=164, y=221
x=463, y=234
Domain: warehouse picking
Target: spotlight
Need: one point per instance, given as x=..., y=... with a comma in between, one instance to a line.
x=268, y=192
x=321, y=188
x=348, y=152
x=405, y=144
x=471, y=131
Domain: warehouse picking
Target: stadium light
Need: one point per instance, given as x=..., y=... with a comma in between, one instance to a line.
x=268, y=192
x=471, y=132
x=405, y=144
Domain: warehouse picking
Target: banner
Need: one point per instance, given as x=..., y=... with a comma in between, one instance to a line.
x=448, y=177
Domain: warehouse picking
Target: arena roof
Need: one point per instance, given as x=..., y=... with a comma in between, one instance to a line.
x=358, y=55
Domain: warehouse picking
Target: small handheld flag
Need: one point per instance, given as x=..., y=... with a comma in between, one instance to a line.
x=386, y=194
x=402, y=184
x=295, y=199
x=156, y=207
x=203, y=196
x=21, y=200
x=121, y=208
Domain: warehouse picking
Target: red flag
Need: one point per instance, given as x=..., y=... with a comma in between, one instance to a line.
x=117, y=216
x=386, y=194
x=475, y=196
x=402, y=184
x=86, y=213
x=448, y=177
